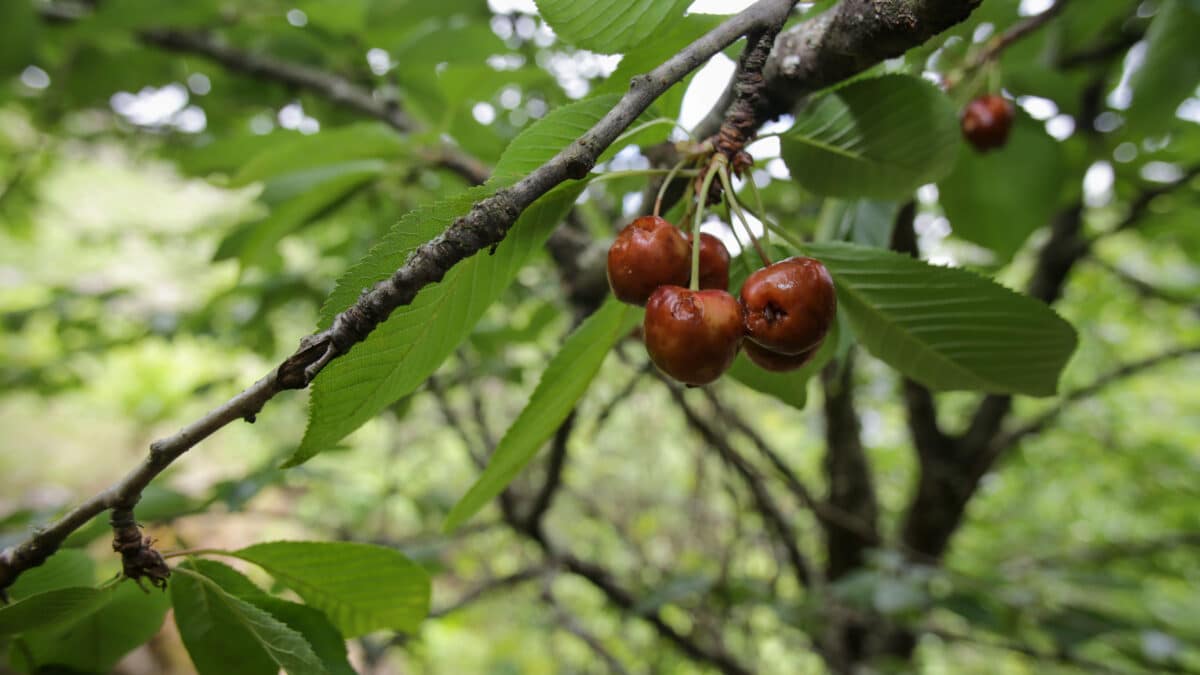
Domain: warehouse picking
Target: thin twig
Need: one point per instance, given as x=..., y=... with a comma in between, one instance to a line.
x=1015, y=33
x=1146, y=289
x=570, y=623
x=330, y=86
x=1036, y=425
x=1141, y=204
x=489, y=588
x=773, y=516
x=554, y=473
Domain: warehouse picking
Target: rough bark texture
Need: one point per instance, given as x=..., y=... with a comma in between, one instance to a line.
x=851, y=37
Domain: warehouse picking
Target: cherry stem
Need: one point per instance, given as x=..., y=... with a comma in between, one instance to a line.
x=736, y=234
x=193, y=551
x=613, y=175
x=732, y=201
x=783, y=234
x=718, y=161
x=654, y=122
x=662, y=190
x=758, y=201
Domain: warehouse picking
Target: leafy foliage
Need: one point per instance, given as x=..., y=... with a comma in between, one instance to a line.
x=50, y=609
x=879, y=138
x=566, y=378
x=225, y=633
x=610, y=26
x=94, y=641
x=1170, y=69
x=171, y=219
x=998, y=199
x=410, y=345
x=360, y=587
x=948, y=328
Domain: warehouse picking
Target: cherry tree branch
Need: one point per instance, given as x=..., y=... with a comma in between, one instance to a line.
x=329, y=86
x=485, y=225
x=489, y=588
x=773, y=516
x=842, y=41
x=1010, y=438
x=1146, y=289
x=570, y=623
x=1015, y=33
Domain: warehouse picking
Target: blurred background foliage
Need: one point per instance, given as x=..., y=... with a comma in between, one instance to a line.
x=173, y=212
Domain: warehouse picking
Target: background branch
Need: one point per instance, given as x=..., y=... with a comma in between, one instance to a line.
x=1038, y=424
x=773, y=517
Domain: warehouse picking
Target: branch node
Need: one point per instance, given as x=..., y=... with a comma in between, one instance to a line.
x=139, y=559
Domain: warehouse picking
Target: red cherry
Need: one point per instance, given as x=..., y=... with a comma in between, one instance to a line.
x=774, y=361
x=693, y=336
x=714, y=262
x=648, y=253
x=789, y=305
x=986, y=122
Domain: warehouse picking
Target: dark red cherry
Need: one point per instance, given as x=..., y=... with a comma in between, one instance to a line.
x=714, y=262
x=789, y=305
x=648, y=253
x=986, y=122
x=693, y=336
x=774, y=361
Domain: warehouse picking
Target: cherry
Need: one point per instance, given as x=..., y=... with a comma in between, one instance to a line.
x=778, y=363
x=986, y=122
x=648, y=253
x=693, y=336
x=714, y=262
x=789, y=305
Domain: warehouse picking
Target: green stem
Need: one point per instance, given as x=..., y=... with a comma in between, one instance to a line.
x=195, y=551
x=758, y=201
x=732, y=201
x=778, y=231
x=646, y=125
x=717, y=162
x=612, y=175
x=662, y=190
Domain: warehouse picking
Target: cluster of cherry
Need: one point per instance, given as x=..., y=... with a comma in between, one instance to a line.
x=784, y=312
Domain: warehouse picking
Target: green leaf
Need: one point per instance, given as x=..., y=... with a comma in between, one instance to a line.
x=113, y=15
x=997, y=199
x=540, y=142
x=226, y=635
x=863, y=221
x=51, y=608
x=298, y=199
x=648, y=55
x=330, y=147
x=439, y=42
x=18, y=36
x=880, y=138
x=790, y=387
x=1170, y=71
x=610, y=26
x=645, y=57
x=95, y=642
x=68, y=567
x=948, y=328
x=360, y=587
x=328, y=644
x=404, y=350
x=564, y=381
